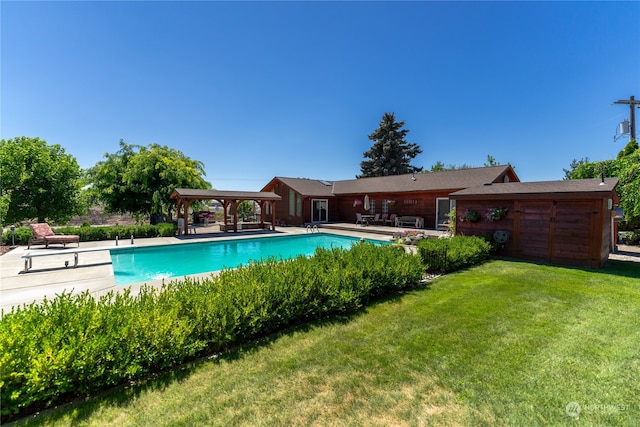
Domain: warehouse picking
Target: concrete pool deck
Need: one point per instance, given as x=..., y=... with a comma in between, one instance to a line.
x=48, y=276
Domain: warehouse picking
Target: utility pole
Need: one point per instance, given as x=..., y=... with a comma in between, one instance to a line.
x=632, y=114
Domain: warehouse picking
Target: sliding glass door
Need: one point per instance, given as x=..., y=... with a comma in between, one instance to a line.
x=319, y=210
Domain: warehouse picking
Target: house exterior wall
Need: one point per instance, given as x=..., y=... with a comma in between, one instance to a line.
x=308, y=212
x=567, y=229
x=422, y=204
x=283, y=216
x=283, y=212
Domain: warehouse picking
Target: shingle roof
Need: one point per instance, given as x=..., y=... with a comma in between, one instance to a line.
x=431, y=181
x=309, y=187
x=567, y=186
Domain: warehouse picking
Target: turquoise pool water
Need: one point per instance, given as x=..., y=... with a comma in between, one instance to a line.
x=164, y=262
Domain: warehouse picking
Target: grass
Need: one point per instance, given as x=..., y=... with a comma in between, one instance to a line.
x=505, y=343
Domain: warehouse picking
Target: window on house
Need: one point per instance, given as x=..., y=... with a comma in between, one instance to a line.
x=385, y=206
x=292, y=202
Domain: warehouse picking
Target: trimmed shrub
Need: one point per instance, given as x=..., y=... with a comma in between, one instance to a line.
x=446, y=255
x=92, y=234
x=21, y=236
x=71, y=346
x=166, y=229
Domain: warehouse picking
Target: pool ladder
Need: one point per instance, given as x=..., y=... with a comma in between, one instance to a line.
x=313, y=229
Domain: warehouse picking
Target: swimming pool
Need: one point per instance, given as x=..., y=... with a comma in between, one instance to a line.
x=164, y=262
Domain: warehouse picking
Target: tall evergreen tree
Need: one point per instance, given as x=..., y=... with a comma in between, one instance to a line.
x=390, y=154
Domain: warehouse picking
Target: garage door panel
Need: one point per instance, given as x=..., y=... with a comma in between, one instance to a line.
x=571, y=230
x=534, y=230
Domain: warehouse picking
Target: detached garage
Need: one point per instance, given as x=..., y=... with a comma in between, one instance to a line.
x=562, y=222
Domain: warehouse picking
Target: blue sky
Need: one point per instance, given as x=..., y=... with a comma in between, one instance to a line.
x=262, y=89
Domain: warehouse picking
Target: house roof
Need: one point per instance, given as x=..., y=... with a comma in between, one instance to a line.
x=197, y=194
x=308, y=187
x=542, y=187
x=431, y=181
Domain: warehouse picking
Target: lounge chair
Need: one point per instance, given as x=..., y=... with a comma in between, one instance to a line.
x=391, y=220
x=43, y=234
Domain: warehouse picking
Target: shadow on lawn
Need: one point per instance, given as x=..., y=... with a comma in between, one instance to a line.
x=81, y=409
x=621, y=268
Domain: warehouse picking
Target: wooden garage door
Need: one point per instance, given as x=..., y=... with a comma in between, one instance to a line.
x=558, y=232
x=535, y=225
x=571, y=230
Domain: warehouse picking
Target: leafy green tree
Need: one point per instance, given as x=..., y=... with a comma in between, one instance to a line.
x=139, y=180
x=390, y=153
x=245, y=209
x=627, y=168
x=439, y=166
x=630, y=148
x=491, y=161
x=39, y=181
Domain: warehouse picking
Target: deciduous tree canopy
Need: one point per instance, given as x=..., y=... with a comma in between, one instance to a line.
x=139, y=180
x=39, y=182
x=440, y=166
x=627, y=168
x=390, y=154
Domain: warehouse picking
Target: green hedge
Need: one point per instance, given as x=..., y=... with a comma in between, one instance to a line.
x=450, y=254
x=75, y=345
x=88, y=234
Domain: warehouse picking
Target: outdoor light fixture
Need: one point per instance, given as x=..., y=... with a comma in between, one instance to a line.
x=13, y=236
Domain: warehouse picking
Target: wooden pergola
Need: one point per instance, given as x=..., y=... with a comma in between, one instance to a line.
x=186, y=196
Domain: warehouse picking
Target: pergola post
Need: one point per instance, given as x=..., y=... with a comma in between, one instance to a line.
x=234, y=206
x=186, y=217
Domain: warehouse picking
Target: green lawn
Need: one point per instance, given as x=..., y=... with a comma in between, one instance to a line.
x=506, y=343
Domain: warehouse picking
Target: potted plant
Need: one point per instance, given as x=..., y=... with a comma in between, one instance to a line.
x=494, y=214
x=469, y=215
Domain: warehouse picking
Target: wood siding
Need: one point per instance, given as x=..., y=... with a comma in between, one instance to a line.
x=421, y=204
x=569, y=232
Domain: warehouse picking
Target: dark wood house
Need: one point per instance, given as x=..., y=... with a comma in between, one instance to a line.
x=424, y=195
x=562, y=222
